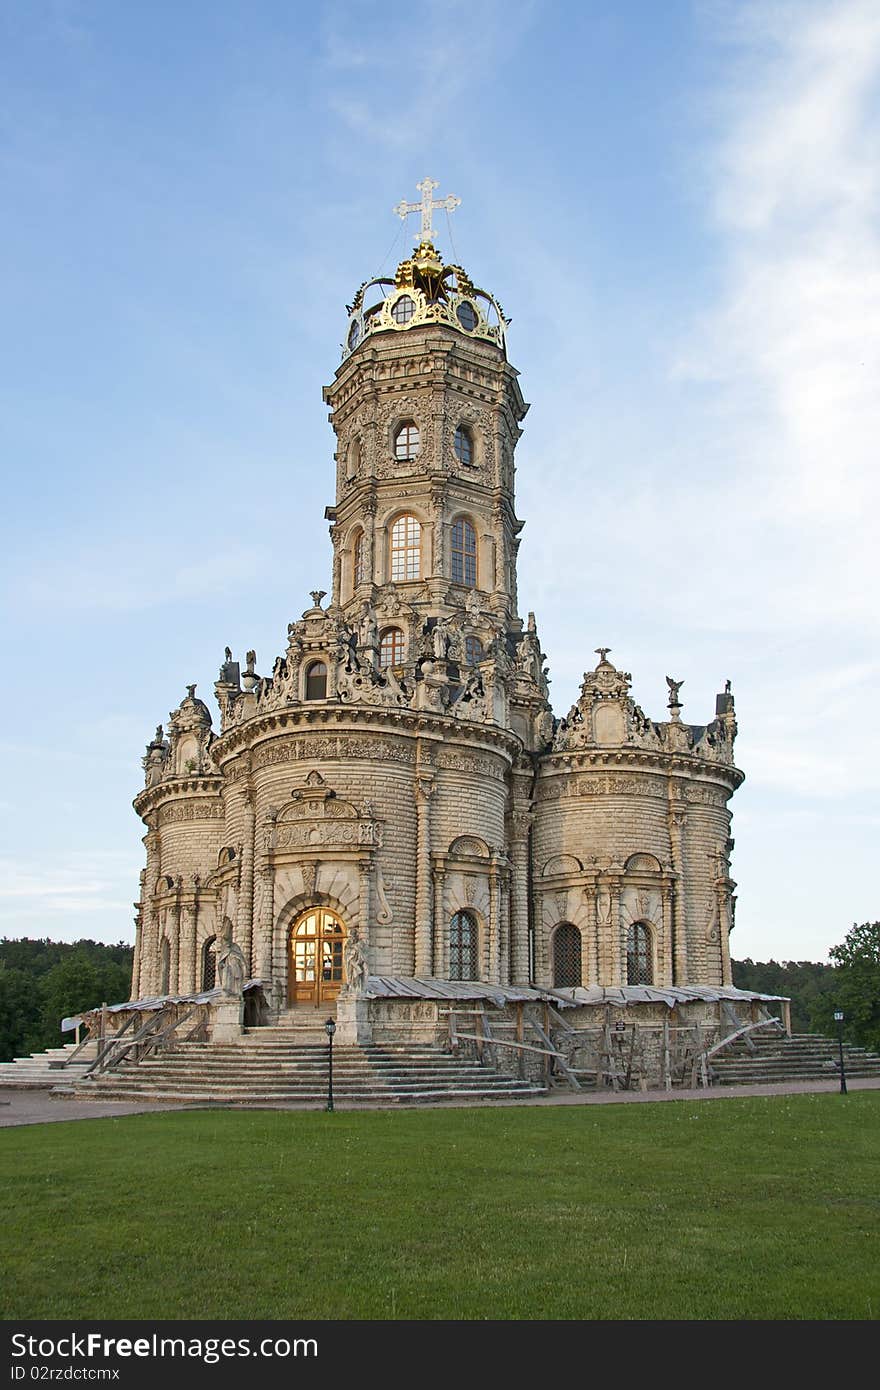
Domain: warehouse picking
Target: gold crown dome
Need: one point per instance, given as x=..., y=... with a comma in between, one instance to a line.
x=424, y=290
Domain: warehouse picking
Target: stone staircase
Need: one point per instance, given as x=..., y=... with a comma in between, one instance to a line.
x=274, y=1066
x=802, y=1057
x=43, y=1070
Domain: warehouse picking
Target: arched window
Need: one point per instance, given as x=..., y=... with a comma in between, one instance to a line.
x=406, y=441
x=463, y=947
x=209, y=964
x=406, y=549
x=391, y=647
x=353, y=459
x=464, y=553
x=639, y=968
x=566, y=956
x=359, y=559
x=473, y=651
x=164, y=965
x=463, y=445
x=403, y=309
x=316, y=681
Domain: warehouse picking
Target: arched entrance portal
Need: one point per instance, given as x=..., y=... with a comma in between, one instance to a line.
x=314, y=957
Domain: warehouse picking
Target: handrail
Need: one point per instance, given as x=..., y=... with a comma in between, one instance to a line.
x=741, y=1032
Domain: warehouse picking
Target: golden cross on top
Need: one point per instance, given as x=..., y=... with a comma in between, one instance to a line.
x=426, y=207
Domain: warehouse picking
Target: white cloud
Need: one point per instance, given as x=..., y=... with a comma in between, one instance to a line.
x=78, y=884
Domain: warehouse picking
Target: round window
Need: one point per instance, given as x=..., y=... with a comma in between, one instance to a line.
x=467, y=316
x=403, y=309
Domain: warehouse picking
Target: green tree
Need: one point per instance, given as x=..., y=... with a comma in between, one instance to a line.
x=20, y=1000
x=804, y=982
x=856, y=986
x=77, y=984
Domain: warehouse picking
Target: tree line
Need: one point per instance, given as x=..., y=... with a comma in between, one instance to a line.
x=42, y=982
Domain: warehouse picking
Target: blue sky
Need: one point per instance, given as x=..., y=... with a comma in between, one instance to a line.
x=677, y=206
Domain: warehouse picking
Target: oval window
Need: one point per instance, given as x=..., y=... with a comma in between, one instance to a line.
x=467, y=316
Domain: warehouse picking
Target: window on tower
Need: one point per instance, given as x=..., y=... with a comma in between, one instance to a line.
x=463, y=936
x=566, y=956
x=391, y=647
x=639, y=969
x=463, y=445
x=473, y=651
x=403, y=309
x=464, y=553
x=316, y=681
x=406, y=441
x=359, y=565
x=406, y=549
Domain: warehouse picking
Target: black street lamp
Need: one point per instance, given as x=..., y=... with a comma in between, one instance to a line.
x=838, y=1019
x=330, y=1026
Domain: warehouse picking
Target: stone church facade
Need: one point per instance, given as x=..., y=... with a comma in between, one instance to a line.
x=398, y=776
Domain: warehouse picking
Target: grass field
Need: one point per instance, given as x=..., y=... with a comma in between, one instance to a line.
x=740, y=1208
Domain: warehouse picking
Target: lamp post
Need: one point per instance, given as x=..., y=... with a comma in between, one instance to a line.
x=330, y=1026
x=838, y=1019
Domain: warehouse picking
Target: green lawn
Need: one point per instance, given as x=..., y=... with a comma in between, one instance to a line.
x=746, y=1208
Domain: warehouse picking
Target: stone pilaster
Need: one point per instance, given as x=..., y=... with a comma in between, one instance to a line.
x=244, y=932
x=424, y=788
x=266, y=923
x=520, y=821
x=150, y=952
x=441, y=935
x=187, y=983
x=494, y=943
x=589, y=939
x=666, y=966
x=677, y=820
x=173, y=929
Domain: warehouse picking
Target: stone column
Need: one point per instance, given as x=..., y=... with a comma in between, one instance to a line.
x=173, y=928
x=618, y=933
x=186, y=973
x=150, y=942
x=424, y=788
x=504, y=927
x=677, y=819
x=500, y=576
x=520, y=822
x=589, y=939
x=244, y=932
x=494, y=953
x=724, y=925
x=667, y=970
x=136, y=962
x=266, y=923
x=441, y=935
x=608, y=931
x=369, y=520
x=438, y=566
x=337, y=566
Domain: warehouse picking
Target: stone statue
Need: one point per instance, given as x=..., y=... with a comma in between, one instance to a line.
x=231, y=964
x=369, y=633
x=355, y=964
x=440, y=641
x=674, y=687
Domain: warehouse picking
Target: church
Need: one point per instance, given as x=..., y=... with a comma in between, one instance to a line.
x=392, y=805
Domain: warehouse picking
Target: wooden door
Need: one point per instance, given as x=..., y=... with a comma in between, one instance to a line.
x=315, y=954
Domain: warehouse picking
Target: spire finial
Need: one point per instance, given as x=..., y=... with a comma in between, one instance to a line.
x=426, y=207
x=602, y=652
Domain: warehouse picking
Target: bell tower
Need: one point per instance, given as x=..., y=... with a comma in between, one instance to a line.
x=427, y=410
